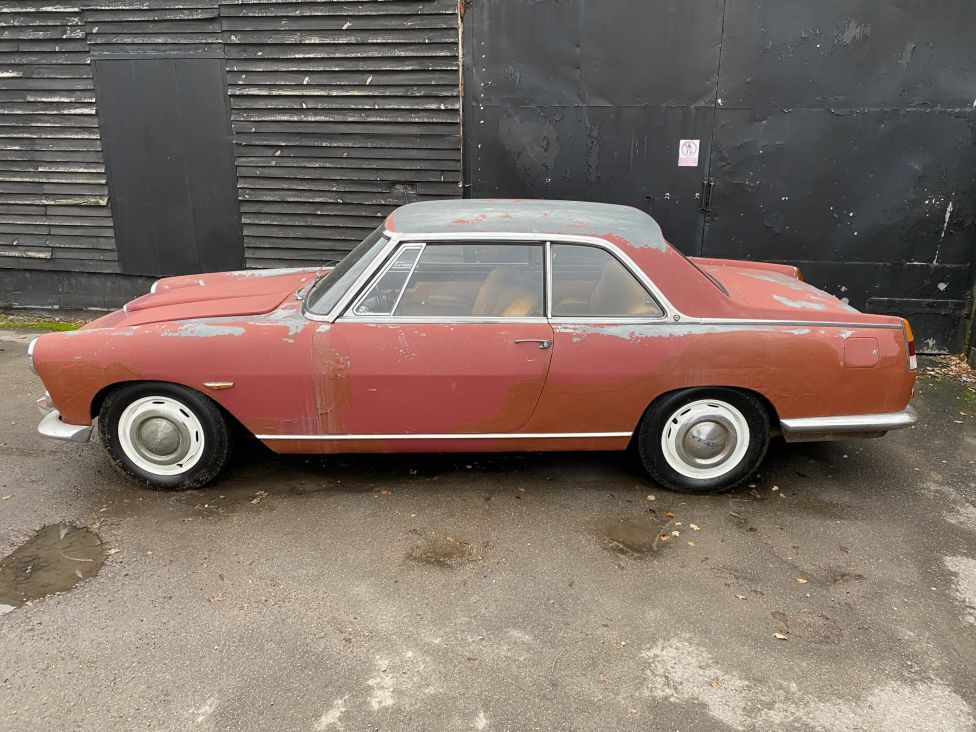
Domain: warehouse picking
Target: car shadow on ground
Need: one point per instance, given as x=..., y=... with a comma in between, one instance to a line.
x=255, y=467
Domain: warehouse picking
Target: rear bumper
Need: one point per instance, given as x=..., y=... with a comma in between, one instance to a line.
x=52, y=426
x=839, y=428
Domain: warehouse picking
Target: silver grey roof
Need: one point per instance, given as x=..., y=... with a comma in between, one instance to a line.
x=525, y=216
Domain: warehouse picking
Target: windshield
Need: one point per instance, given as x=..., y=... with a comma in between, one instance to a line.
x=333, y=286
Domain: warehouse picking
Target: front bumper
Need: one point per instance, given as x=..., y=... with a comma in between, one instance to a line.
x=52, y=426
x=840, y=428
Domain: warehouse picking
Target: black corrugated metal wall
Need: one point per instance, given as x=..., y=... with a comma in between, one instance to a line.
x=340, y=111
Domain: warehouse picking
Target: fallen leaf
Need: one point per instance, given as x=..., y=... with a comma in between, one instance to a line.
x=6, y=498
x=801, y=581
x=741, y=597
x=216, y=598
x=114, y=550
x=652, y=498
x=779, y=636
x=385, y=492
x=670, y=514
x=664, y=537
x=258, y=496
x=694, y=527
x=775, y=487
x=675, y=533
x=691, y=543
x=716, y=685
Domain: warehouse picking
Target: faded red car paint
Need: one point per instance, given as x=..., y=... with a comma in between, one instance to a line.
x=298, y=377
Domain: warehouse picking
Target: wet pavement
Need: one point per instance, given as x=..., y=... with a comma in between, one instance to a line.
x=491, y=592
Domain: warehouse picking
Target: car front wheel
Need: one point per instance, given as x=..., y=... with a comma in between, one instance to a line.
x=703, y=440
x=164, y=436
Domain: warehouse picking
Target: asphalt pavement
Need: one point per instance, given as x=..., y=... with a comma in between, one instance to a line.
x=495, y=592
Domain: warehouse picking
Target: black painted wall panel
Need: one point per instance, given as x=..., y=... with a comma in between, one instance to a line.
x=588, y=100
x=170, y=162
x=839, y=134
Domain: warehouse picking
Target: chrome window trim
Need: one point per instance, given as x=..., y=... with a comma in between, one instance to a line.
x=548, y=279
x=382, y=273
x=393, y=241
x=436, y=320
x=671, y=313
x=350, y=314
x=628, y=264
x=548, y=239
x=455, y=436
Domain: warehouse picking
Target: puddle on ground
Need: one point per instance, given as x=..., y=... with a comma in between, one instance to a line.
x=445, y=551
x=55, y=559
x=628, y=535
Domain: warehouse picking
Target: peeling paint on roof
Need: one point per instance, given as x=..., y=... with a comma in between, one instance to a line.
x=627, y=226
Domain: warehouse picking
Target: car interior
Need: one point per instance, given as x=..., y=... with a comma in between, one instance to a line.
x=505, y=281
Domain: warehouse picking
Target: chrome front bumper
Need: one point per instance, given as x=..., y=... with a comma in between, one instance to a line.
x=840, y=428
x=52, y=426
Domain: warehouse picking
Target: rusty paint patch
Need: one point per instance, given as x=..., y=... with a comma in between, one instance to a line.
x=800, y=304
x=203, y=330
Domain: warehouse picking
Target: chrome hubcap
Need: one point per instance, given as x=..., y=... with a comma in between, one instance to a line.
x=705, y=439
x=161, y=435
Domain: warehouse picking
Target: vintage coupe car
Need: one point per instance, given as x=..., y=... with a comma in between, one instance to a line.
x=484, y=325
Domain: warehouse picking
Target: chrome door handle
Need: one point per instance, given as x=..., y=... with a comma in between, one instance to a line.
x=543, y=344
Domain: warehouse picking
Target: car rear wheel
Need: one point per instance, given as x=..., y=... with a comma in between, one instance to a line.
x=163, y=436
x=703, y=440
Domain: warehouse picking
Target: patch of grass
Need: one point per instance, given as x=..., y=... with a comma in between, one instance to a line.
x=28, y=322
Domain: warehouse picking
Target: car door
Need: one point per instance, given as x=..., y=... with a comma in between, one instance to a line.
x=447, y=338
x=607, y=351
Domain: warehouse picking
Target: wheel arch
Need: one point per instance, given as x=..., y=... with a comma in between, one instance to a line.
x=102, y=394
x=767, y=404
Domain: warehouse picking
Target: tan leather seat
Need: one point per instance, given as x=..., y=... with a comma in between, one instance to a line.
x=618, y=293
x=502, y=295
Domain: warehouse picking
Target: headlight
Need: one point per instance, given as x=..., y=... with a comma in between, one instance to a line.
x=30, y=354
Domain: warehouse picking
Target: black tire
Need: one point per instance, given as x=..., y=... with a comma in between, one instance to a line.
x=213, y=436
x=668, y=412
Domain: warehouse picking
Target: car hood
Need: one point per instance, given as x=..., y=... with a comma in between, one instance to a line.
x=221, y=294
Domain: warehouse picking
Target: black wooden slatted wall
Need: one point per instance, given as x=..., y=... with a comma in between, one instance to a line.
x=341, y=111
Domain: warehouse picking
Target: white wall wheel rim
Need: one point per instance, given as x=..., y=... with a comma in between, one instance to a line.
x=705, y=439
x=161, y=435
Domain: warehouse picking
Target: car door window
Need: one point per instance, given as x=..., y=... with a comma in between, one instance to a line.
x=589, y=281
x=382, y=297
x=475, y=281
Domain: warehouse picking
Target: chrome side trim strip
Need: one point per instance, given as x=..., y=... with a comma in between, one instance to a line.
x=474, y=436
x=850, y=424
x=52, y=426
x=800, y=323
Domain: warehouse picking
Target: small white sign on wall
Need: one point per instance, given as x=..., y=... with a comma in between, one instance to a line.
x=688, y=153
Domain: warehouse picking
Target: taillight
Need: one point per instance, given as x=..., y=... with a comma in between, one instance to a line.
x=912, y=358
x=798, y=274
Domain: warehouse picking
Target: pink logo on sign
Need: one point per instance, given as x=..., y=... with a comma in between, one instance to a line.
x=688, y=153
